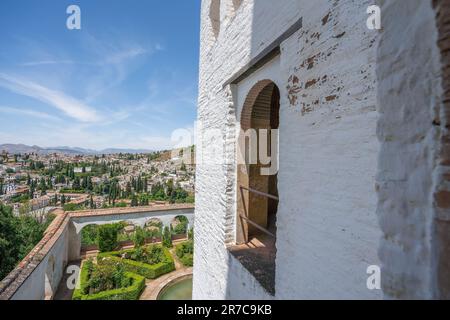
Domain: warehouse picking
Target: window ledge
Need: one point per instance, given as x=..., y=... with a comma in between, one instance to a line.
x=258, y=258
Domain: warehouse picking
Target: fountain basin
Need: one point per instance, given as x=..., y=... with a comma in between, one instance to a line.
x=177, y=289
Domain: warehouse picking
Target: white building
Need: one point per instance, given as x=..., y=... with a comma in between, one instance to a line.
x=361, y=179
x=80, y=169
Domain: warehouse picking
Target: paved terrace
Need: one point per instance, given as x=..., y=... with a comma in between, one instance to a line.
x=37, y=276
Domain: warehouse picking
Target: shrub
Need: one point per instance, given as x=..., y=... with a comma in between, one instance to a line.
x=121, y=205
x=108, y=281
x=131, y=292
x=89, y=235
x=123, y=236
x=187, y=260
x=85, y=274
x=149, y=271
x=107, y=276
x=72, y=207
x=181, y=227
x=152, y=234
x=185, y=252
x=156, y=255
x=107, y=237
x=152, y=255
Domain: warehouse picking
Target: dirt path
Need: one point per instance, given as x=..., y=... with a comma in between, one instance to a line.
x=178, y=264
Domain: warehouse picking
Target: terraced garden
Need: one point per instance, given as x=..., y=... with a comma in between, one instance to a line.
x=124, y=274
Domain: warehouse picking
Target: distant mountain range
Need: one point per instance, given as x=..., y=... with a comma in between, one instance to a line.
x=22, y=148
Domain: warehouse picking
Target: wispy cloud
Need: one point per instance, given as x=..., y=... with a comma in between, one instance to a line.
x=67, y=104
x=46, y=62
x=114, y=66
x=29, y=113
x=121, y=56
x=94, y=91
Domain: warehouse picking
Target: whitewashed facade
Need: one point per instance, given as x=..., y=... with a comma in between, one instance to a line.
x=342, y=143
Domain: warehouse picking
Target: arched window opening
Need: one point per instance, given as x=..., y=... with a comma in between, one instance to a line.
x=257, y=183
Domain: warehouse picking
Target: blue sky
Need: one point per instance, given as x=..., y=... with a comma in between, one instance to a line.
x=127, y=79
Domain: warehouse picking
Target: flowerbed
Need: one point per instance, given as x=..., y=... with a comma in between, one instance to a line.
x=109, y=281
x=158, y=263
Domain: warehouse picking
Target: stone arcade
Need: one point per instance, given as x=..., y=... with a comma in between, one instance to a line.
x=363, y=180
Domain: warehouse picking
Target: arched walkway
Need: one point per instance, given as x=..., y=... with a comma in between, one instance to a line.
x=139, y=217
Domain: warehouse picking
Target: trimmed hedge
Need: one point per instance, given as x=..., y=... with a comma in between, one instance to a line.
x=186, y=258
x=144, y=269
x=83, y=279
x=132, y=292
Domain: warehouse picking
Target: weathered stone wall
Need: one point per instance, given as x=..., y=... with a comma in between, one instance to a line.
x=327, y=231
x=409, y=99
x=442, y=173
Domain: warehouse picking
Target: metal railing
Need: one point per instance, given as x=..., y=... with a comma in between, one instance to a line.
x=245, y=217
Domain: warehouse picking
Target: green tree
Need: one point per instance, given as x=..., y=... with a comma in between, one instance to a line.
x=18, y=236
x=107, y=237
x=91, y=203
x=24, y=209
x=128, y=189
x=139, y=237
x=76, y=184
x=114, y=191
x=32, y=190
x=145, y=185
x=89, y=185
x=42, y=185
x=170, y=187
x=10, y=238
x=89, y=235
x=134, y=201
x=167, y=238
